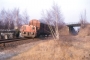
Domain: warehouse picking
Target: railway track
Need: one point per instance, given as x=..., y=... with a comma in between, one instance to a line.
x=3, y=41
x=11, y=40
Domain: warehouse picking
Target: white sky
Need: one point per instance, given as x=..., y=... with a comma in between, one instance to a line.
x=71, y=9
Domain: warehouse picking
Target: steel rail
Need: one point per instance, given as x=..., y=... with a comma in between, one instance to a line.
x=11, y=40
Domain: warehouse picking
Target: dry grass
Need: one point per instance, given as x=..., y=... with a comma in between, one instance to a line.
x=84, y=31
x=64, y=30
x=73, y=49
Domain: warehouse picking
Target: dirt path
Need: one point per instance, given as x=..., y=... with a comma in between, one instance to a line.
x=5, y=54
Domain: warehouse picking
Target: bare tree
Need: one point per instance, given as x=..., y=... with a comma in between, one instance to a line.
x=25, y=18
x=53, y=17
x=3, y=15
x=8, y=19
x=83, y=20
x=16, y=17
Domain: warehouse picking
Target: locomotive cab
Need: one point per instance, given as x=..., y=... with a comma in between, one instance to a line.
x=28, y=31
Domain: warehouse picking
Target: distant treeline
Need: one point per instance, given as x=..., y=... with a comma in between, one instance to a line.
x=11, y=18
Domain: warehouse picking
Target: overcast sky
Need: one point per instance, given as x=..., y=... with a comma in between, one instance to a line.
x=71, y=9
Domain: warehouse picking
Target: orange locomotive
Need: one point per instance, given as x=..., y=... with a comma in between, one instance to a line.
x=35, y=29
x=28, y=31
